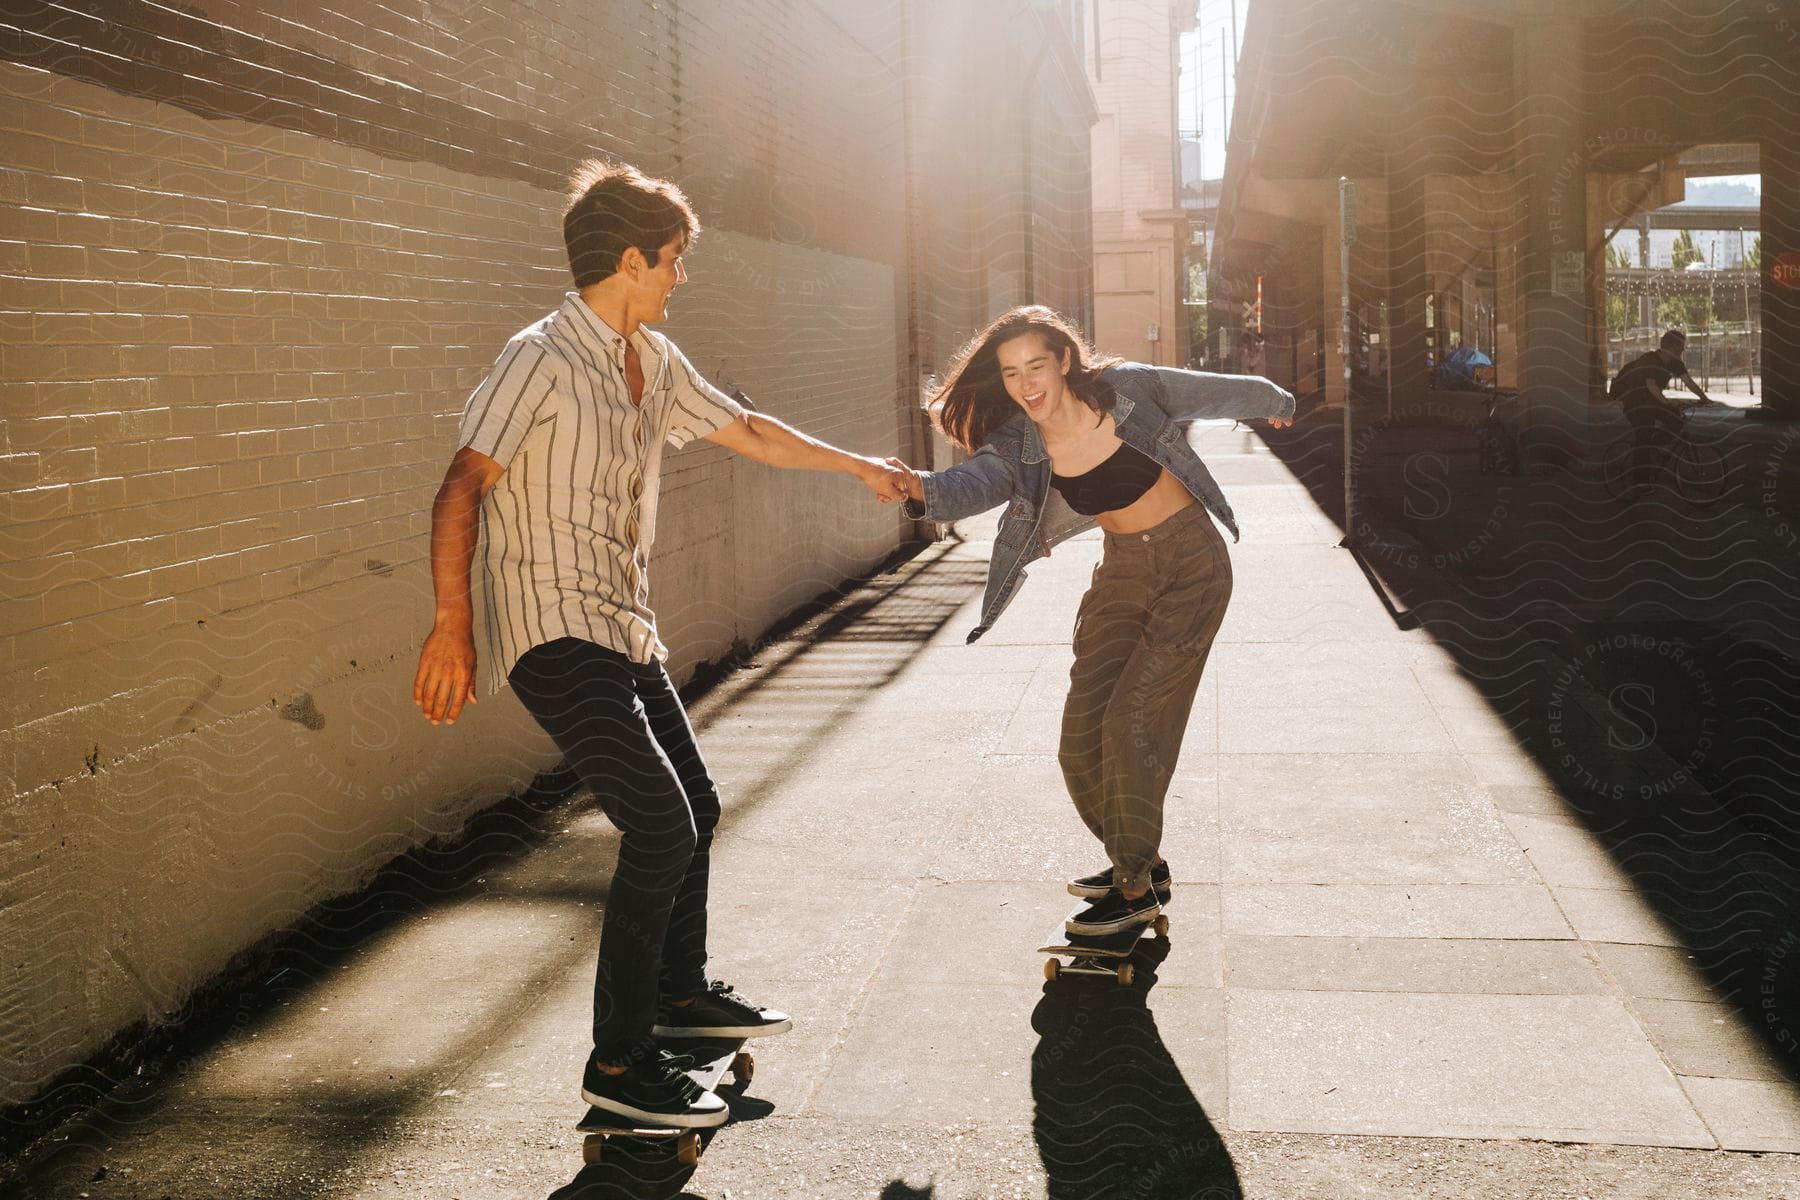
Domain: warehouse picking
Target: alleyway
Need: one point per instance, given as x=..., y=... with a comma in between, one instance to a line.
x=1399, y=966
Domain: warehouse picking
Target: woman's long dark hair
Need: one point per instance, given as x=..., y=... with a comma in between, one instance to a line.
x=973, y=402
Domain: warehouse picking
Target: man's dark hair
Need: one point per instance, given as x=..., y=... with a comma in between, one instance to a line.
x=1674, y=340
x=614, y=206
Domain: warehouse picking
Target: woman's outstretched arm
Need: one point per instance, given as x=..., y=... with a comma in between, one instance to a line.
x=984, y=481
x=1203, y=396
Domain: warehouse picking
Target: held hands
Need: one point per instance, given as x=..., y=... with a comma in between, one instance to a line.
x=888, y=480
x=910, y=487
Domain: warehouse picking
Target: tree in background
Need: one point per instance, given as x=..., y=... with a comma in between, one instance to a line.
x=1618, y=312
x=1685, y=254
x=1753, y=259
x=1689, y=312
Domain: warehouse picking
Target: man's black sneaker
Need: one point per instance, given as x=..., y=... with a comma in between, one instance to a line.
x=1095, y=886
x=1112, y=913
x=654, y=1088
x=719, y=1012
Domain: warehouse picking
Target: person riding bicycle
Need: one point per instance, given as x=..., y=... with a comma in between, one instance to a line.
x=1655, y=419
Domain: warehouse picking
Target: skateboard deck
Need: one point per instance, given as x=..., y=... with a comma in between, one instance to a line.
x=1098, y=954
x=713, y=1059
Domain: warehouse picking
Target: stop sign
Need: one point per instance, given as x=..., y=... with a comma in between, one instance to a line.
x=1785, y=270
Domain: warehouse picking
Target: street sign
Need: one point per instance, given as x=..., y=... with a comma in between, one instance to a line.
x=1785, y=270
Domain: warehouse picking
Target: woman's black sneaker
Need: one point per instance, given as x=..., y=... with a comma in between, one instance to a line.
x=655, y=1088
x=719, y=1012
x=1095, y=886
x=1112, y=913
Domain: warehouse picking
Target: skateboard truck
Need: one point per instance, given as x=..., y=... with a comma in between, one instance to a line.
x=1100, y=954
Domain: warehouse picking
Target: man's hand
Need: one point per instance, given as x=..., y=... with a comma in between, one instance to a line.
x=446, y=678
x=885, y=479
x=911, y=487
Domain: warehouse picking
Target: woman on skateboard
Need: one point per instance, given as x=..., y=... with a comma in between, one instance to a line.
x=1068, y=439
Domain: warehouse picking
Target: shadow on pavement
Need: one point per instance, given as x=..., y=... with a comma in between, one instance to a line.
x=1113, y=1115
x=1645, y=656
x=902, y=1191
x=153, y=1110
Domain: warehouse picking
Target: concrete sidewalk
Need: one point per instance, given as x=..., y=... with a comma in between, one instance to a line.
x=1397, y=966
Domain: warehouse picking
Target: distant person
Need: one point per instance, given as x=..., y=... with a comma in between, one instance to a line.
x=1655, y=418
x=1255, y=353
x=1068, y=439
x=561, y=449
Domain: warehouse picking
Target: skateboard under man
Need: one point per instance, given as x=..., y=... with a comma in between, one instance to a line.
x=713, y=1057
x=1097, y=954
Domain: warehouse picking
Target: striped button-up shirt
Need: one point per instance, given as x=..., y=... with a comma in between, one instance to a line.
x=568, y=527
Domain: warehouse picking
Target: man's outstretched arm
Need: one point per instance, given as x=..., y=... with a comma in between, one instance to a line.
x=446, y=677
x=761, y=437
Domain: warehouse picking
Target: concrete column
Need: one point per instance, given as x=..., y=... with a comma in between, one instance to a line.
x=1554, y=354
x=1781, y=281
x=1408, y=283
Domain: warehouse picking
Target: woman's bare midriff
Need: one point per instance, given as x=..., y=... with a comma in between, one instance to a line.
x=1165, y=498
x=1093, y=446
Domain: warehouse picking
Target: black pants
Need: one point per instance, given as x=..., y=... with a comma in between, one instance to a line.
x=623, y=730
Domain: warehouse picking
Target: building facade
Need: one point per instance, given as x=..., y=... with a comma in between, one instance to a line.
x=251, y=267
x=1493, y=152
x=1140, y=224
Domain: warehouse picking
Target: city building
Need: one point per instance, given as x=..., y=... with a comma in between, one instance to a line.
x=1493, y=150
x=1140, y=223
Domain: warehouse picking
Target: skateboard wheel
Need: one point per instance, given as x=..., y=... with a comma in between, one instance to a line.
x=687, y=1150
x=1051, y=968
x=593, y=1148
x=743, y=1068
x=1125, y=973
x=1162, y=927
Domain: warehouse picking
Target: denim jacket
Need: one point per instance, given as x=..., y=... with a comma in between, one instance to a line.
x=1012, y=467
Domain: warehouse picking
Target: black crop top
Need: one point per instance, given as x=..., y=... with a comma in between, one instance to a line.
x=1121, y=480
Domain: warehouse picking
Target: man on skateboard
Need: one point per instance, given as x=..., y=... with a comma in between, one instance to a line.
x=559, y=459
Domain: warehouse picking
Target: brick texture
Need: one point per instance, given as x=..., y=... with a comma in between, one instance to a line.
x=253, y=257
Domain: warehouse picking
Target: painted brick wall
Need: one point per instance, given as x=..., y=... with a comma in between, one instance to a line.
x=252, y=260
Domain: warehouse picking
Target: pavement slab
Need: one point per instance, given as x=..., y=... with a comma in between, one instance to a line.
x=1705, y=1039
x=1441, y=965
x=1392, y=910
x=1335, y=817
x=1563, y=1068
x=1614, y=914
x=1748, y=1114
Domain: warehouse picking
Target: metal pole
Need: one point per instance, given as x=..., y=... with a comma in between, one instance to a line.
x=1387, y=356
x=1346, y=232
x=1234, y=44
x=1749, y=357
x=1224, y=107
x=1199, y=50
x=1712, y=275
